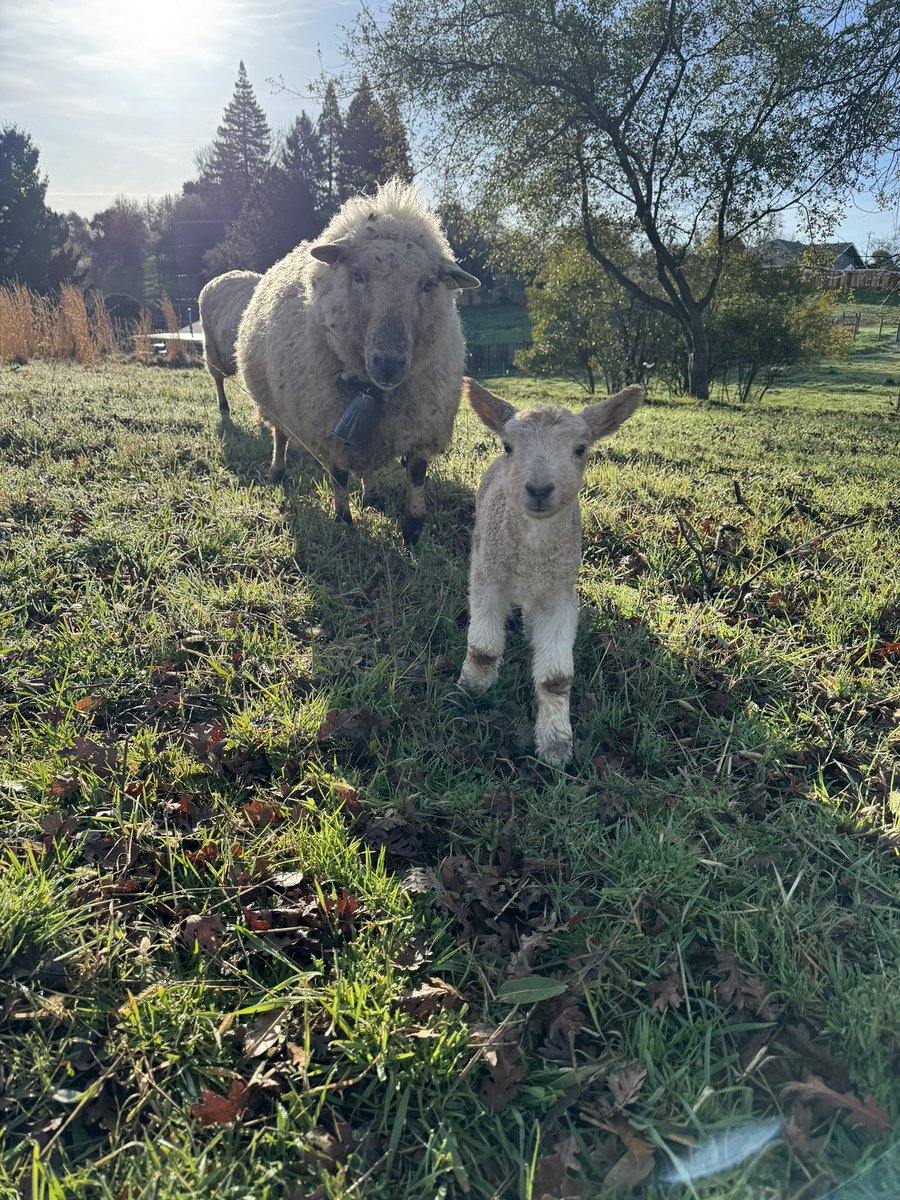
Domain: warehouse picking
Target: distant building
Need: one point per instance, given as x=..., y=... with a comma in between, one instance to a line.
x=827, y=256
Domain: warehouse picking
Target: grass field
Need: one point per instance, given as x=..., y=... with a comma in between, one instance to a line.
x=282, y=917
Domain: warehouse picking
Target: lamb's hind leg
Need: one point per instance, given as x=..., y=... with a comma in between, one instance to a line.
x=551, y=632
x=414, y=518
x=488, y=610
x=279, y=452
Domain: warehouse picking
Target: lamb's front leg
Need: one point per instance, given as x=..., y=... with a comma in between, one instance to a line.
x=488, y=610
x=551, y=631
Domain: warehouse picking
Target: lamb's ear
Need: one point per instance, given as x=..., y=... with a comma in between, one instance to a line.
x=454, y=276
x=328, y=252
x=489, y=408
x=606, y=417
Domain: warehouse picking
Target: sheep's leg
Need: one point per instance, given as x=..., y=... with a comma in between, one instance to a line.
x=372, y=498
x=220, y=392
x=341, y=498
x=279, y=451
x=488, y=610
x=414, y=518
x=551, y=632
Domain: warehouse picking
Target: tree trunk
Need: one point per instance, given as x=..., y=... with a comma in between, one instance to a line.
x=698, y=359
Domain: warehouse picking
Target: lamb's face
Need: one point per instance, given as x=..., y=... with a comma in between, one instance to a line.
x=545, y=451
x=387, y=295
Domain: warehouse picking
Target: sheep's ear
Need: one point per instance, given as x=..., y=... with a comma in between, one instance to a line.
x=489, y=408
x=606, y=417
x=454, y=276
x=328, y=252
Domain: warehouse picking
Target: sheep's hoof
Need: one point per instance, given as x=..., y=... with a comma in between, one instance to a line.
x=342, y=516
x=277, y=474
x=375, y=501
x=411, y=528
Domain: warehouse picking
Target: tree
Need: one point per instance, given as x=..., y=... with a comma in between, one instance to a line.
x=585, y=325
x=679, y=119
x=764, y=322
x=363, y=150
x=30, y=232
x=239, y=155
x=330, y=128
x=285, y=208
x=397, y=162
x=120, y=239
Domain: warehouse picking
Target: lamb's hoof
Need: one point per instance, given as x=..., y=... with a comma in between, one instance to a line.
x=473, y=688
x=556, y=753
x=276, y=474
x=411, y=528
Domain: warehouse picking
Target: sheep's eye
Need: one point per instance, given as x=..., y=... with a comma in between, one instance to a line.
x=358, y=275
x=428, y=285
x=507, y=448
x=579, y=451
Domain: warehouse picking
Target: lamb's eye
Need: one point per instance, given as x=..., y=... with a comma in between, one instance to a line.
x=579, y=451
x=507, y=448
x=358, y=275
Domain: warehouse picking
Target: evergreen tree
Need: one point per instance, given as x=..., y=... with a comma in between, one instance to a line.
x=238, y=157
x=330, y=128
x=397, y=161
x=364, y=152
x=30, y=232
x=302, y=162
x=286, y=208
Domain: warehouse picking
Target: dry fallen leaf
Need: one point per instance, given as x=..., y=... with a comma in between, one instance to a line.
x=212, y=1109
x=864, y=1114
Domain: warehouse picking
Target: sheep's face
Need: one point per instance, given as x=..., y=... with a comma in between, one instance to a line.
x=545, y=449
x=386, y=296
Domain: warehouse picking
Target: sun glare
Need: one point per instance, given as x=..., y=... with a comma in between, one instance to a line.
x=154, y=34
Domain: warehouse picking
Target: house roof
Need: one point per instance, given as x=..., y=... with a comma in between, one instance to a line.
x=781, y=251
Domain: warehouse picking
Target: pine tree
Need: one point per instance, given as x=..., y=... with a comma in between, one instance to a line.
x=30, y=232
x=330, y=128
x=363, y=149
x=302, y=160
x=286, y=208
x=397, y=161
x=239, y=155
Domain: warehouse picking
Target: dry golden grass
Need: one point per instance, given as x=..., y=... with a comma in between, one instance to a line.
x=143, y=346
x=68, y=326
x=174, y=345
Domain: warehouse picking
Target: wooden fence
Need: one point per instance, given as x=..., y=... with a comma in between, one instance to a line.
x=878, y=281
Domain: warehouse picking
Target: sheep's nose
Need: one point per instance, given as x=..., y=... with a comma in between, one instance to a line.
x=540, y=494
x=387, y=367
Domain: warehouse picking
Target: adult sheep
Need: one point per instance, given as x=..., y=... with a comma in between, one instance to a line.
x=222, y=302
x=352, y=347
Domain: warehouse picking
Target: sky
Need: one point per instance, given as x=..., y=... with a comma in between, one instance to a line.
x=120, y=95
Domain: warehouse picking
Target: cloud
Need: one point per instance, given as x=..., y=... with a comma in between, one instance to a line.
x=120, y=95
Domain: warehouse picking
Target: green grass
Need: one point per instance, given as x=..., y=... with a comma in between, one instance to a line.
x=496, y=323
x=208, y=886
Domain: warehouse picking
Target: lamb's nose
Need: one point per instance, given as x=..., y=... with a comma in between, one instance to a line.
x=540, y=494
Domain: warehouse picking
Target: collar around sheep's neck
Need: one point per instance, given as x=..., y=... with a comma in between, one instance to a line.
x=354, y=385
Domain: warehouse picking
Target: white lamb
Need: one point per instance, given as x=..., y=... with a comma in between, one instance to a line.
x=526, y=549
x=222, y=303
